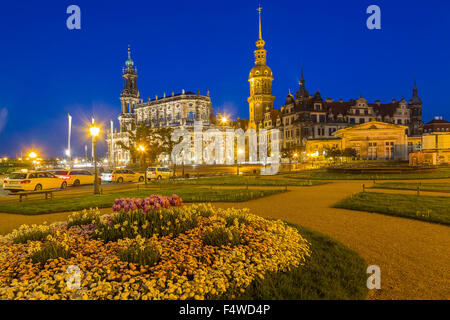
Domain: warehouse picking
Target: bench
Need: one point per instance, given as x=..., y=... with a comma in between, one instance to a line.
x=27, y=193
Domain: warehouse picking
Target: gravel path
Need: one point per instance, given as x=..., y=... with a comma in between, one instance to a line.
x=414, y=256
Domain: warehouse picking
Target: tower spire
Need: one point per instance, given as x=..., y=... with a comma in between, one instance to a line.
x=415, y=90
x=259, y=12
x=129, y=63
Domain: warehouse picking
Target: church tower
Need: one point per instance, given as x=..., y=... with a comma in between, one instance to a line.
x=415, y=106
x=129, y=96
x=260, y=80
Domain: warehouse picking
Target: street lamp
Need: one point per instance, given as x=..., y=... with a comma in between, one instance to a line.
x=33, y=155
x=239, y=152
x=141, y=149
x=224, y=120
x=295, y=159
x=94, y=134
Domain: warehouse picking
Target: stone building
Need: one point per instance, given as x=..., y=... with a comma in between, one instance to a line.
x=373, y=140
x=437, y=125
x=307, y=116
x=435, y=150
x=175, y=110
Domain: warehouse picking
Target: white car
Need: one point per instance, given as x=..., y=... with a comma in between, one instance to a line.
x=107, y=175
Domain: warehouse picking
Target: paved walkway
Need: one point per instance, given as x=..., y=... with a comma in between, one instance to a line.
x=414, y=256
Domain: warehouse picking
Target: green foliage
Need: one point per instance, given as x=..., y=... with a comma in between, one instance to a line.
x=443, y=187
x=51, y=250
x=130, y=224
x=148, y=255
x=222, y=236
x=32, y=235
x=333, y=272
x=321, y=174
x=236, y=219
x=105, y=200
x=242, y=181
x=83, y=218
x=426, y=208
x=155, y=140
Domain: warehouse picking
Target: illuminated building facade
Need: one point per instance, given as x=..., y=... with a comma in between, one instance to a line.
x=372, y=140
x=260, y=79
x=175, y=110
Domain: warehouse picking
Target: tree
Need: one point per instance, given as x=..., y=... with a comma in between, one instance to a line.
x=156, y=141
x=333, y=152
x=291, y=152
x=350, y=153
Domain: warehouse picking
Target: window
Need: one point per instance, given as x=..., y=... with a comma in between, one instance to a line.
x=60, y=173
x=372, y=151
x=361, y=120
x=389, y=154
x=18, y=176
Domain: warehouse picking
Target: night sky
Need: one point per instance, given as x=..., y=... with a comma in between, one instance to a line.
x=48, y=71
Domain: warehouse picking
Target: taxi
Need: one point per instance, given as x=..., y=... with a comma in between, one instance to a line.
x=122, y=175
x=32, y=181
x=75, y=177
x=159, y=173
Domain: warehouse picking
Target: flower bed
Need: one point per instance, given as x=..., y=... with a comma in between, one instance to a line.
x=153, y=248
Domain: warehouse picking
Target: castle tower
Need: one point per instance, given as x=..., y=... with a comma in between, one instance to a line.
x=415, y=106
x=129, y=96
x=260, y=79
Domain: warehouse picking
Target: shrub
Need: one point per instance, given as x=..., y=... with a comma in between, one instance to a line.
x=163, y=222
x=26, y=233
x=51, y=250
x=83, y=218
x=146, y=255
x=222, y=236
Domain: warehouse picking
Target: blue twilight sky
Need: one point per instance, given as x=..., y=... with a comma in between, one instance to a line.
x=48, y=70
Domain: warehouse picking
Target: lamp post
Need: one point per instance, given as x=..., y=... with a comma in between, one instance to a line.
x=239, y=152
x=141, y=149
x=295, y=159
x=94, y=134
x=33, y=156
x=224, y=120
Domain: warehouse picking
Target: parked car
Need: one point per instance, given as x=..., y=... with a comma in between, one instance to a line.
x=32, y=181
x=122, y=175
x=75, y=177
x=159, y=173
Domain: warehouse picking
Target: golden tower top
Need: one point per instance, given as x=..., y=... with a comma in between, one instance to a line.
x=260, y=43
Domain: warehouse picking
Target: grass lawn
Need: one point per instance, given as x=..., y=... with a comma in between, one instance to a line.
x=426, y=208
x=244, y=180
x=324, y=175
x=332, y=272
x=434, y=187
x=106, y=200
